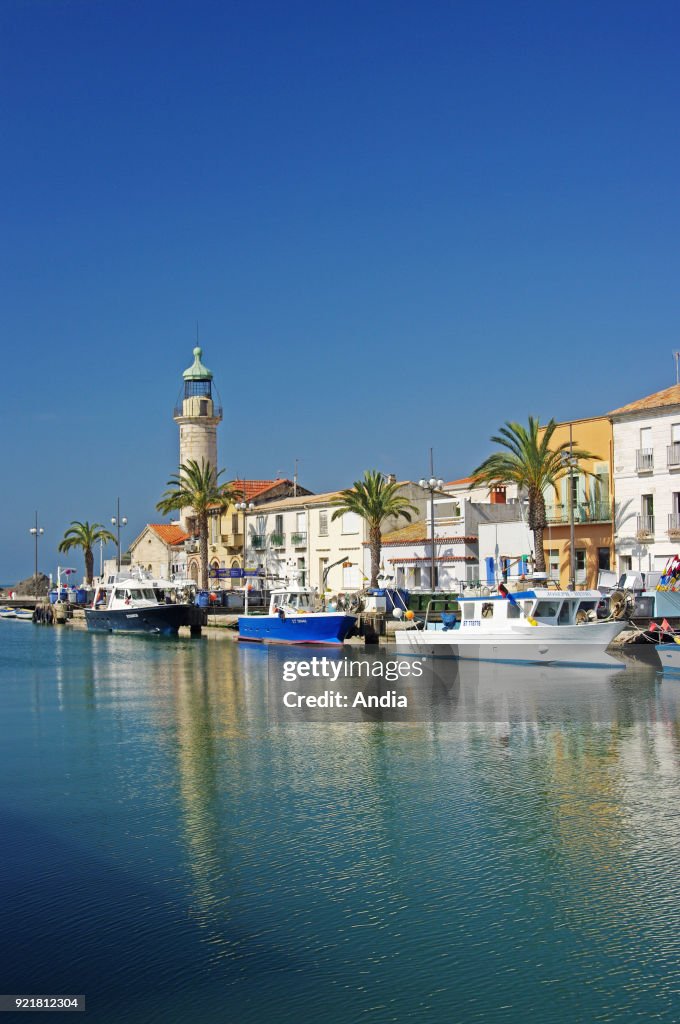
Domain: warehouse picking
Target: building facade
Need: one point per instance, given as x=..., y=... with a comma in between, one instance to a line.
x=299, y=538
x=161, y=550
x=589, y=490
x=647, y=480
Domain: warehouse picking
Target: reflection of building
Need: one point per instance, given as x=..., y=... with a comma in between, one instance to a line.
x=592, y=505
x=647, y=478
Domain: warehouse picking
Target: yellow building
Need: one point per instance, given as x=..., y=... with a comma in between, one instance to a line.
x=592, y=498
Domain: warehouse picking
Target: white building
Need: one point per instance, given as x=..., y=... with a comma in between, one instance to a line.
x=647, y=480
x=299, y=536
x=407, y=552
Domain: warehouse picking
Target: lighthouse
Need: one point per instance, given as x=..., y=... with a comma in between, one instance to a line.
x=197, y=415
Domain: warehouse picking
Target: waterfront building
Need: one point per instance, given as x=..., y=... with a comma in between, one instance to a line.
x=592, y=499
x=407, y=552
x=299, y=536
x=161, y=550
x=647, y=480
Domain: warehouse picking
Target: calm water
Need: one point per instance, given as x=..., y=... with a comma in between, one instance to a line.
x=172, y=855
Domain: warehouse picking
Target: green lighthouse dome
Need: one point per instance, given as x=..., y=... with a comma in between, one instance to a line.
x=197, y=371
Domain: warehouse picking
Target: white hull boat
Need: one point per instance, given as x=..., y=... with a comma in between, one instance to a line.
x=669, y=656
x=537, y=626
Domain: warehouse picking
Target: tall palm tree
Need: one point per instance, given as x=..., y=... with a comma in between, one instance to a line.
x=198, y=486
x=373, y=499
x=86, y=535
x=530, y=462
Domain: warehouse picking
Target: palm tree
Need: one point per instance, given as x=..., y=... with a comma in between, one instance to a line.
x=531, y=463
x=373, y=499
x=198, y=487
x=86, y=535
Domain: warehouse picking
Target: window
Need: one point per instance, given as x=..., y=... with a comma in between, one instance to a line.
x=468, y=611
x=234, y=522
x=547, y=609
x=323, y=524
x=553, y=563
x=603, y=558
x=350, y=522
x=625, y=563
x=214, y=523
x=278, y=525
x=513, y=611
x=645, y=438
x=675, y=433
x=648, y=504
x=565, y=613
x=580, y=565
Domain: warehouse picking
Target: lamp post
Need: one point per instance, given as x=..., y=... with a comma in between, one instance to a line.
x=569, y=461
x=118, y=522
x=37, y=532
x=245, y=506
x=432, y=485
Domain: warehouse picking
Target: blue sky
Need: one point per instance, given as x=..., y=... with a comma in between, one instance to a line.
x=397, y=225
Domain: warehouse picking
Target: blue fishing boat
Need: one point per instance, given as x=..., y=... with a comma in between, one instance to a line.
x=293, y=619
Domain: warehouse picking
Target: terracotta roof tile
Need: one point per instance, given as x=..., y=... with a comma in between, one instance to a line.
x=464, y=480
x=669, y=396
x=169, y=533
x=251, y=488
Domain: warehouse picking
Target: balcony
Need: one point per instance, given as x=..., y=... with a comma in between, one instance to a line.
x=645, y=528
x=644, y=460
x=673, y=455
x=298, y=540
x=258, y=542
x=277, y=540
x=674, y=525
x=584, y=512
x=232, y=540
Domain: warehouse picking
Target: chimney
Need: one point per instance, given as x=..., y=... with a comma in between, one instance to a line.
x=391, y=478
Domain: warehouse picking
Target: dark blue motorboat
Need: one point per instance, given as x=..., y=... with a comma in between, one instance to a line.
x=292, y=619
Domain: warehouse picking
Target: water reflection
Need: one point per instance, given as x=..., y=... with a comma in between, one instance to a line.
x=515, y=850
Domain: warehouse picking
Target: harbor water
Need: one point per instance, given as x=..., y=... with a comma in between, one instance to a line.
x=174, y=854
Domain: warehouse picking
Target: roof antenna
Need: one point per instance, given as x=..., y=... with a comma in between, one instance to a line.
x=295, y=482
x=676, y=356
x=197, y=332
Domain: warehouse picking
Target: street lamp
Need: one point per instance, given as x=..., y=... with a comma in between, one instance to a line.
x=568, y=460
x=432, y=485
x=37, y=532
x=245, y=506
x=117, y=521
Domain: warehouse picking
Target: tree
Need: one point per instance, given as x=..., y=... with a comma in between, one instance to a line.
x=199, y=488
x=86, y=535
x=531, y=463
x=373, y=499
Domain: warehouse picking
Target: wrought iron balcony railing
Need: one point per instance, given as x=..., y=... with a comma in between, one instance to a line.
x=674, y=524
x=644, y=460
x=258, y=542
x=584, y=512
x=298, y=539
x=645, y=527
x=277, y=540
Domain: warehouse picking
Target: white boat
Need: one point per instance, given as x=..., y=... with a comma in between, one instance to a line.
x=7, y=613
x=669, y=656
x=24, y=615
x=539, y=626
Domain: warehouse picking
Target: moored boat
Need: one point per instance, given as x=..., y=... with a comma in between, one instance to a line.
x=131, y=605
x=7, y=613
x=669, y=656
x=539, y=626
x=293, y=619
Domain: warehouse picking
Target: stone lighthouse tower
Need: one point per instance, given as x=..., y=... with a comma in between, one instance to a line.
x=197, y=415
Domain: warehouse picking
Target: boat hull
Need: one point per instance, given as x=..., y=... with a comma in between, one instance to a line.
x=160, y=620
x=583, y=645
x=669, y=656
x=321, y=628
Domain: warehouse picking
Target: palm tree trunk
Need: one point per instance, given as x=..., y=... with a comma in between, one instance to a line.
x=89, y=566
x=539, y=553
x=203, y=548
x=374, y=538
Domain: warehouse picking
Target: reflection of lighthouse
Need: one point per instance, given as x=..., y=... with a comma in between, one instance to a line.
x=198, y=415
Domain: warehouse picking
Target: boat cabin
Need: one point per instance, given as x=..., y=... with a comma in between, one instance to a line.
x=292, y=601
x=550, y=607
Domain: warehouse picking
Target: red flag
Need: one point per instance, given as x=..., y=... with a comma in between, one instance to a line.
x=666, y=626
x=652, y=627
